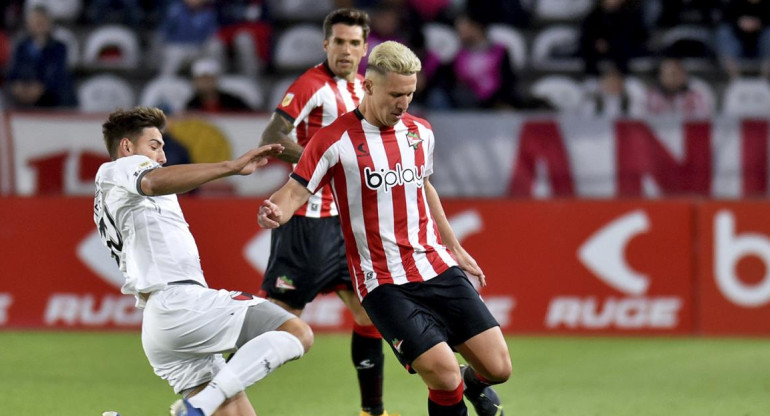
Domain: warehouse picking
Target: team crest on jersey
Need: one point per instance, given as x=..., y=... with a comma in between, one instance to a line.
x=287, y=99
x=397, y=344
x=283, y=283
x=413, y=139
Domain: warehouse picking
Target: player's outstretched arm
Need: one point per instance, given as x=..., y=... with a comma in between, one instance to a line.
x=464, y=260
x=277, y=131
x=183, y=178
x=277, y=210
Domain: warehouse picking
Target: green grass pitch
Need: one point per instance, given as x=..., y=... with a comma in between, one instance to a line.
x=84, y=374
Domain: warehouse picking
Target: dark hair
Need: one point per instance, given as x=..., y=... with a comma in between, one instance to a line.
x=350, y=17
x=130, y=123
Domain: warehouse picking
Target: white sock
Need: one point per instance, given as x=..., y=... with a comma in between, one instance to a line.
x=251, y=363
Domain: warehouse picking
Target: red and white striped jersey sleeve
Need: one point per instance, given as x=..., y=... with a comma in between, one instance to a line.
x=314, y=101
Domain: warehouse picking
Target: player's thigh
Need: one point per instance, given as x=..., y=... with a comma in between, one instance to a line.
x=488, y=354
x=406, y=324
x=438, y=367
x=263, y=317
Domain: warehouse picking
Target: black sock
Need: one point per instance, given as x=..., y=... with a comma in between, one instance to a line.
x=473, y=384
x=369, y=362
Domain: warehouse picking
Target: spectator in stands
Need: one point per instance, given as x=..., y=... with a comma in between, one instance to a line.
x=673, y=93
x=245, y=33
x=744, y=33
x=38, y=75
x=188, y=32
x=613, y=30
x=386, y=24
x=208, y=97
x=483, y=77
x=609, y=98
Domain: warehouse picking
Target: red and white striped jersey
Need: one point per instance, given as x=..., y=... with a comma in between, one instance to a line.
x=377, y=175
x=313, y=101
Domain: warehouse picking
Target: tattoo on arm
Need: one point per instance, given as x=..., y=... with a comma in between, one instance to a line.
x=277, y=131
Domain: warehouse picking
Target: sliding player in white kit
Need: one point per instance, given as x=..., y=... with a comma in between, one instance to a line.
x=186, y=325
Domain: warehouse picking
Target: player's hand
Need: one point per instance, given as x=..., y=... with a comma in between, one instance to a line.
x=256, y=158
x=469, y=265
x=269, y=216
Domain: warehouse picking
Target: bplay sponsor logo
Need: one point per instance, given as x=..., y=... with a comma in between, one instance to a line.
x=603, y=254
x=729, y=249
x=399, y=176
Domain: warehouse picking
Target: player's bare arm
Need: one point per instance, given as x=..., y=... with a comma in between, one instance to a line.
x=183, y=178
x=279, y=209
x=464, y=260
x=277, y=131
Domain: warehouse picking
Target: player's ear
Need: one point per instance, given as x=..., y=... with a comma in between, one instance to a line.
x=368, y=86
x=125, y=146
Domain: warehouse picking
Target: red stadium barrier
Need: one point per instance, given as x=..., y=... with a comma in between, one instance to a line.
x=566, y=267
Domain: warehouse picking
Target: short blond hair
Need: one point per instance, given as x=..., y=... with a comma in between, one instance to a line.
x=394, y=57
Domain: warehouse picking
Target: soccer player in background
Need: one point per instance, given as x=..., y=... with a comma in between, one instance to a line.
x=307, y=255
x=186, y=326
x=409, y=268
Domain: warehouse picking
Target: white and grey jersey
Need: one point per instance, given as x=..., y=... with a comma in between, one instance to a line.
x=147, y=235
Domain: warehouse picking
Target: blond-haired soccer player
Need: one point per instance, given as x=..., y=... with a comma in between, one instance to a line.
x=409, y=268
x=186, y=326
x=307, y=255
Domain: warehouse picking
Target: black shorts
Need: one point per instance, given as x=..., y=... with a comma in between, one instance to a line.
x=414, y=317
x=307, y=257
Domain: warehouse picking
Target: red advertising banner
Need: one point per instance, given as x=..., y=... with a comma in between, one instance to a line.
x=585, y=267
x=613, y=267
x=734, y=268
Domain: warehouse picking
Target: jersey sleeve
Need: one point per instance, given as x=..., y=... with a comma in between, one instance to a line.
x=130, y=170
x=317, y=163
x=299, y=100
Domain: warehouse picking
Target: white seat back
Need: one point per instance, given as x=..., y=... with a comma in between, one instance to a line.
x=105, y=93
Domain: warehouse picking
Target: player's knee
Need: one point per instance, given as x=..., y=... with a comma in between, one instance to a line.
x=501, y=370
x=301, y=330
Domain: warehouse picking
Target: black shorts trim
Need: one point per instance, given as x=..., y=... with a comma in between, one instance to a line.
x=416, y=316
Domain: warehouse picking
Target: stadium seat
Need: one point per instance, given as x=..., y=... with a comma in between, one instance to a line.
x=687, y=41
x=566, y=10
x=637, y=94
x=59, y=10
x=68, y=38
x=442, y=40
x=299, y=47
x=513, y=40
x=305, y=10
x=111, y=47
x=105, y=93
x=244, y=87
x=555, y=48
x=747, y=97
x=564, y=93
x=170, y=93
x=278, y=90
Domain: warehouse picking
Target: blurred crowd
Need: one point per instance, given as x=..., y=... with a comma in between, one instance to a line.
x=692, y=58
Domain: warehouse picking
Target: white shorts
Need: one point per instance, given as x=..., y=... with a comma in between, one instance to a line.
x=186, y=328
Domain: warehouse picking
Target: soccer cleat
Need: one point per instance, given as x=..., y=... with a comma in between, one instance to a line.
x=384, y=413
x=486, y=403
x=182, y=407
